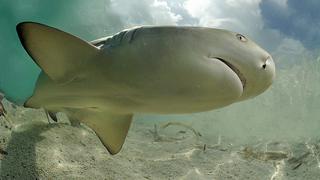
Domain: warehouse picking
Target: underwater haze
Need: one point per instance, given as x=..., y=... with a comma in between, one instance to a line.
x=287, y=111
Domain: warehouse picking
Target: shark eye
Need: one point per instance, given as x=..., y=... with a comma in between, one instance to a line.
x=241, y=37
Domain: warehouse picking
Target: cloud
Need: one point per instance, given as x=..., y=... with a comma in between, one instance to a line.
x=280, y=3
x=162, y=13
x=142, y=12
x=240, y=16
x=291, y=52
x=294, y=19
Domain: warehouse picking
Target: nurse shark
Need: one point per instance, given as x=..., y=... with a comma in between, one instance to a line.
x=147, y=69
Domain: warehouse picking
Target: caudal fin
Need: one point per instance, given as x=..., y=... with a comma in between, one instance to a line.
x=59, y=54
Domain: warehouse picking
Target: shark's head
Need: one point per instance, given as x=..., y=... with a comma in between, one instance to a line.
x=253, y=66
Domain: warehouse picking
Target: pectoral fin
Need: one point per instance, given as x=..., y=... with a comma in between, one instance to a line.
x=111, y=128
x=60, y=55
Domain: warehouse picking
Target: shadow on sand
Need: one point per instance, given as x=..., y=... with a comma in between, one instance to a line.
x=20, y=162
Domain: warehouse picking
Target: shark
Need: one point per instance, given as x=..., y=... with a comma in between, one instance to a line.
x=146, y=69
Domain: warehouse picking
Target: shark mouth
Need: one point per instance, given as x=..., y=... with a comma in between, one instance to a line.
x=235, y=70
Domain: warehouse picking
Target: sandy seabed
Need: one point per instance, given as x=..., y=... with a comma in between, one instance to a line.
x=33, y=148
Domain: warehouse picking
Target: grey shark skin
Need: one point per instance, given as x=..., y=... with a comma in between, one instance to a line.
x=149, y=69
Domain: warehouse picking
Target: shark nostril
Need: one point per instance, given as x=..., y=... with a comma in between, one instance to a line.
x=267, y=61
x=264, y=66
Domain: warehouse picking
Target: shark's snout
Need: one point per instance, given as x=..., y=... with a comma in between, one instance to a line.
x=269, y=67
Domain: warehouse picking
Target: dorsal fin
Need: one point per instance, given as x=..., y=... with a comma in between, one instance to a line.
x=59, y=54
x=100, y=42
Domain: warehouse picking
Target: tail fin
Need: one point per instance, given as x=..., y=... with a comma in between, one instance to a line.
x=59, y=54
